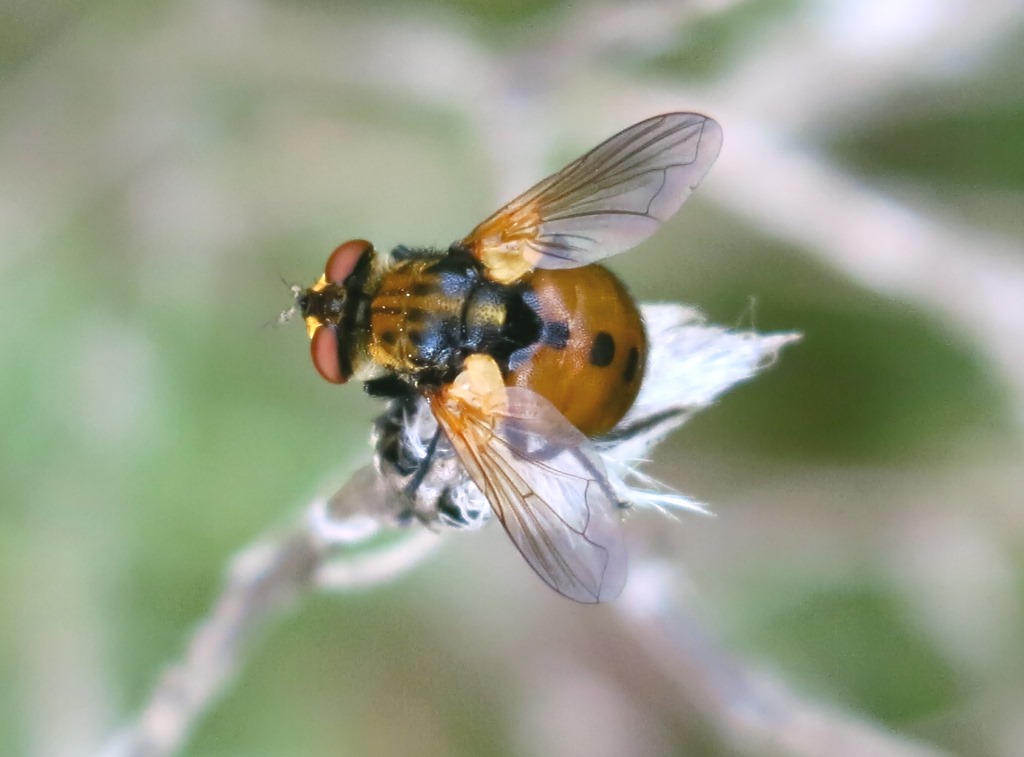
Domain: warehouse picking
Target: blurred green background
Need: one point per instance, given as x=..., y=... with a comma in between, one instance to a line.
x=164, y=165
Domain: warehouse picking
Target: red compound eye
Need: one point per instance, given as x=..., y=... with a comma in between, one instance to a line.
x=323, y=348
x=343, y=260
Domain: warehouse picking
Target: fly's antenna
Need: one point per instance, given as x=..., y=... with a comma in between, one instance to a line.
x=286, y=315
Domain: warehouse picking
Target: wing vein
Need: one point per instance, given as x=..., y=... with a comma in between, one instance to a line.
x=609, y=199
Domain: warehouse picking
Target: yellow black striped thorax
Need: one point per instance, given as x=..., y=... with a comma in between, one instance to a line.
x=419, y=313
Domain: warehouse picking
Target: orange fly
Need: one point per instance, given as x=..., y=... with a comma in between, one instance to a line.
x=523, y=347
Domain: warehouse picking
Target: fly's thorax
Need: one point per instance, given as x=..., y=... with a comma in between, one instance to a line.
x=416, y=316
x=431, y=309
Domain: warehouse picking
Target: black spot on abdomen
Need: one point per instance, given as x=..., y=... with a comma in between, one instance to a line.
x=602, y=351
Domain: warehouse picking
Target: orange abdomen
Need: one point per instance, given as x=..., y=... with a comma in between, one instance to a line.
x=591, y=356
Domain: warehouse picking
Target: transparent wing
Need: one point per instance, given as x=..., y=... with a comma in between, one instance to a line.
x=547, y=486
x=605, y=202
